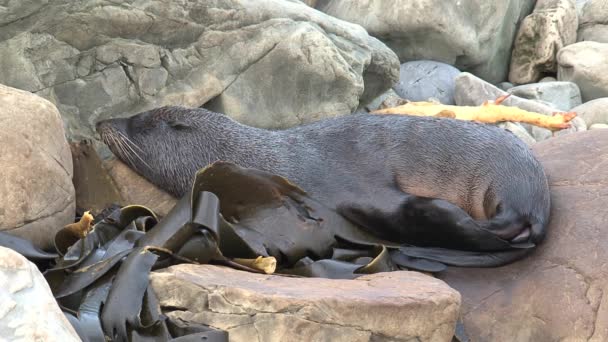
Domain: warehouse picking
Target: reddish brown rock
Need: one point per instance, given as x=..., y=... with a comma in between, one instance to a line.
x=559, y=293
x=134, y=189
x=395, y=306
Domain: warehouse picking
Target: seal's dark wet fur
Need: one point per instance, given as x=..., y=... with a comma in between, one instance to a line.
x=398, y=175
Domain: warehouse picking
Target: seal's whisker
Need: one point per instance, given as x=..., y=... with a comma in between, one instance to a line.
x=122, y=152
x=130, y=144
x=129, y=141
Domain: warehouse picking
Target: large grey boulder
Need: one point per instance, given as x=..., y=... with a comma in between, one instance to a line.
x=392, y=306
x=561, y=95
x=267, y=63
x=550, y=27
x=28, y=311
x=37, y=195
x=586, y=64
x=422, y=80
x=593, y=112
x=472, y=35
x=593, y=22
x=558, y=293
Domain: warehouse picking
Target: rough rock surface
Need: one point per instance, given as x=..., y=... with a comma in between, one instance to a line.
x=28, y=311
x=559, y=293
x=388, y=99
x=473, y=91
x=551, y=26
x=473, y=35
x=519, y=131
x=586, y=64
x=593, y=112
x=593, y=22
x=37, y=195
x=270, y=63
x=598, y=126
x=561, y=95
x=394, y=306
x=422, y=80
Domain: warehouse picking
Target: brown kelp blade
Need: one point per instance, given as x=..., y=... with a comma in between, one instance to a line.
x=123, y=305
x=193, y=332
x=273, y=216
x=84, y=277
x=24, y=247
x=90, y=309
x=338, y=269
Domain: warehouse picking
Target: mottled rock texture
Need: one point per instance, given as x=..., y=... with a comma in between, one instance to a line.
x=542, y=34
x=28, y=311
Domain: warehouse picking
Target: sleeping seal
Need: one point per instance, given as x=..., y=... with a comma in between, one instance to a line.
x=409, y=179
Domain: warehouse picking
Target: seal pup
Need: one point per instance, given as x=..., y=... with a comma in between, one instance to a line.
x=408, y=179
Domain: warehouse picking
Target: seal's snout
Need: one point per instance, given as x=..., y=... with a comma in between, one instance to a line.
x=111, y=124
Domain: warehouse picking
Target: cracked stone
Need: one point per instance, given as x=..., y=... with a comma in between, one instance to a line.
x=558, y=293
x=36, y=183
x=28, y=311
x=395, y=306
x=271, y=63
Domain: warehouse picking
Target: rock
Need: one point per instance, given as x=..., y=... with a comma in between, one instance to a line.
x=28, y=311
x=561, y=95
x=95, y=190
x=547, y=79
x=551, y=26
x=576, y=125
x=473, y=91
x=470, y=90
x=558, y=293
x=472, y=35
x=586, y=64
x=388, y=99
x=394, y=306
x=593, y=22
x=505, y=85
x=598, y=126
x=288, y=63
x=421, y=80
x=36, y=183
x=134, y=189
x=519, y=131
x=593, y=112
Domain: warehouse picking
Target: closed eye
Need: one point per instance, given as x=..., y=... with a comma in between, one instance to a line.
x=178, y=125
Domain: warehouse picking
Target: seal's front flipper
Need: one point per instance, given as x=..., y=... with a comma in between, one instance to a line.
x=424, y=221
x=442, y=232
x=459, y=258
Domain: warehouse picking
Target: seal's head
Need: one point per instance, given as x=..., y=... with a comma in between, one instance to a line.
x=151, y=142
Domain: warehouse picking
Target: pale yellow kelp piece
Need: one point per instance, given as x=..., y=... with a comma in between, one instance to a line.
x=486, y=113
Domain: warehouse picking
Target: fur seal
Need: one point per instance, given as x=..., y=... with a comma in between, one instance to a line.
x=407, y=178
